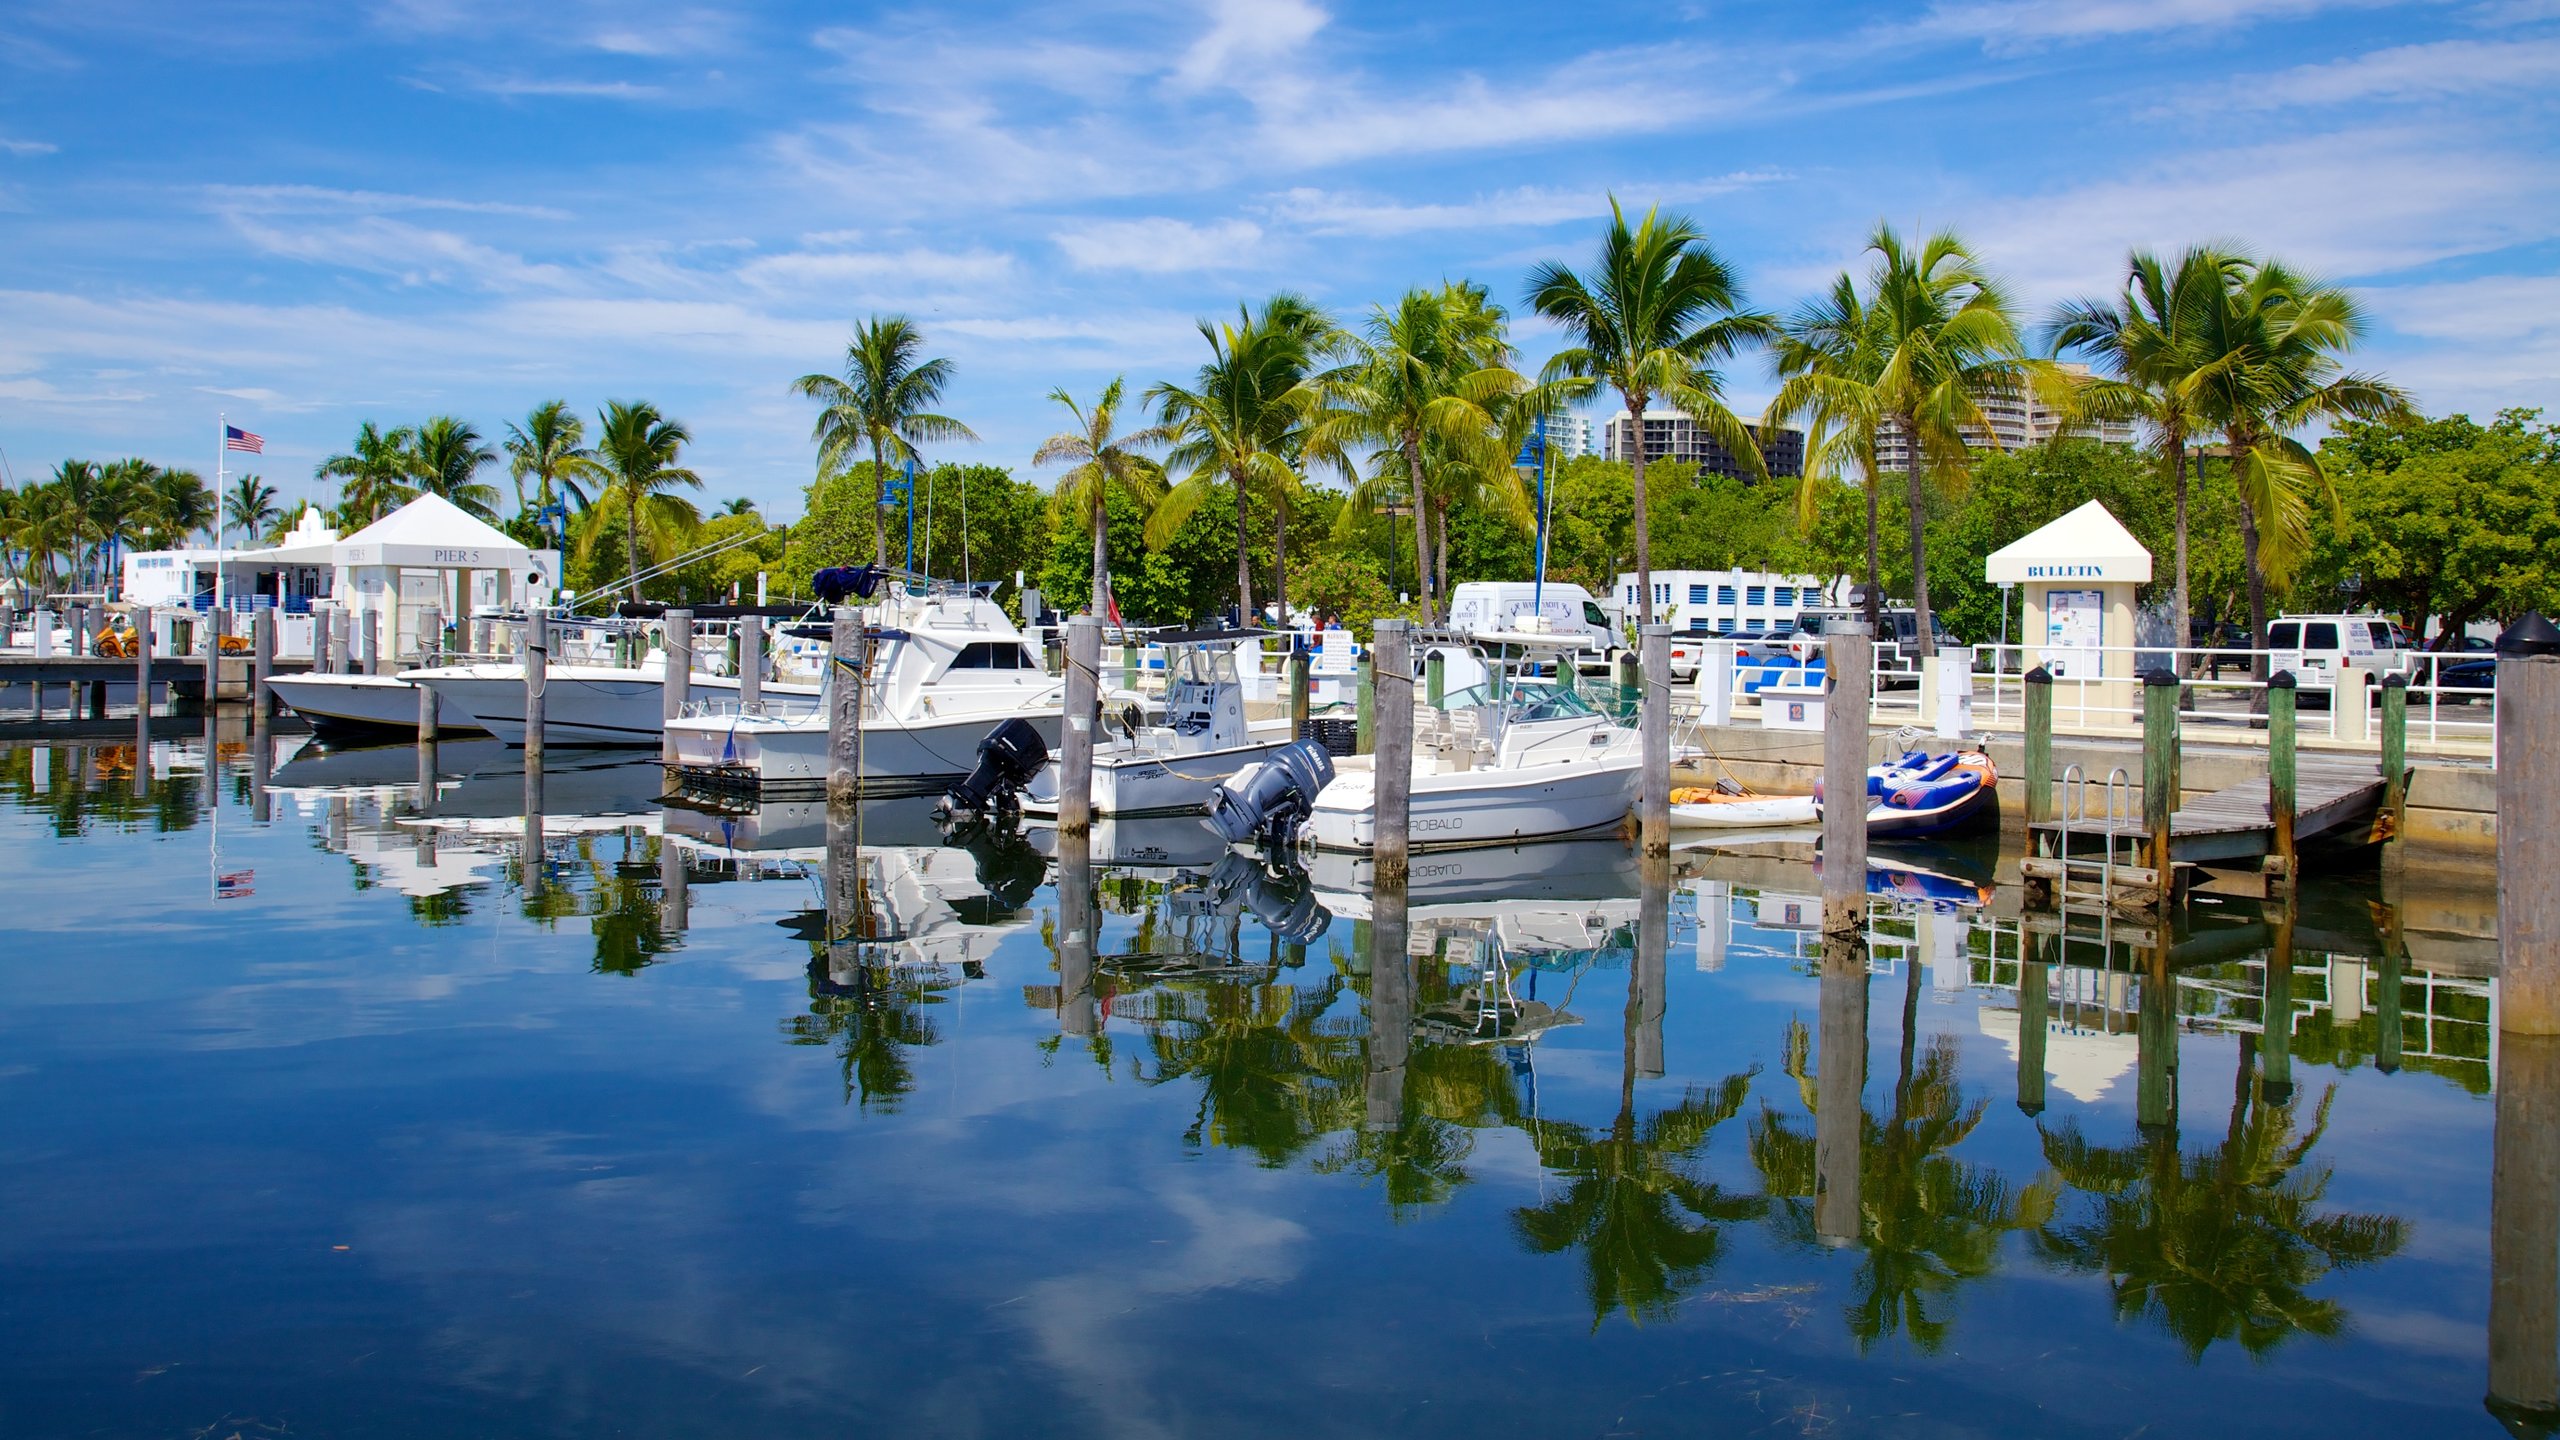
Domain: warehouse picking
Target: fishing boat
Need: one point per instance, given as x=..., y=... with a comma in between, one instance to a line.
x=948, y=666
x=1511, y=758
x=591, y=700
x=1174, y=766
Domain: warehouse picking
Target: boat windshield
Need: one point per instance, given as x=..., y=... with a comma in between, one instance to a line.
x=1545, y=701
x=1205, y=664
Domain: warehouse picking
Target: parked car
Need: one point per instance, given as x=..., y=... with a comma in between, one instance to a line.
x=1897, y=663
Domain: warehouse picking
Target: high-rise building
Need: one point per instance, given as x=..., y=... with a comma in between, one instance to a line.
x=2019, y=418
x=1568, y=437
x=1675, y=435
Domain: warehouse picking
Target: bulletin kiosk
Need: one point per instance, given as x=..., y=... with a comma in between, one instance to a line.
x=2080, y=575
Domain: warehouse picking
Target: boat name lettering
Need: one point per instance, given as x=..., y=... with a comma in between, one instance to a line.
x=1452, y=823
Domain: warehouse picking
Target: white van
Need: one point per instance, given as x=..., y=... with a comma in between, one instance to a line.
x=1480, y=607
x=2314, y=647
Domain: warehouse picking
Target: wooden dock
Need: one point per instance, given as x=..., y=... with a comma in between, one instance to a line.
x=2338, y=801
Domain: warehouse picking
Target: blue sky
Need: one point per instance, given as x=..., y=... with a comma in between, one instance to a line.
x=311, y=215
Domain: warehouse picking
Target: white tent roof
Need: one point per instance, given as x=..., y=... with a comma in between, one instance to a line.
x=433, y=532
x=2087, y=544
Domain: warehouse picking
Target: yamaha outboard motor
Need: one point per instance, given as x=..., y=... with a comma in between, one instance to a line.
x=1011, y=754
x=1267, y=799
x=1286, y=906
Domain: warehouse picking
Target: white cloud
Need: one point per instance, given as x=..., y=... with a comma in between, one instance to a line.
x=2481, y=344
x=2012, y=24
x=810, y=269
x=2442, y=70
x=512, y=86
x=26, y=147
x=1244, y=40
x=313, y=198
x=410, y=254
x=1160, y=245
x=1342, y=213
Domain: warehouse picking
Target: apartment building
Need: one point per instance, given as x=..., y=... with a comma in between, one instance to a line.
x=1728, y=602
x=1673, y=435
x=2018, y=419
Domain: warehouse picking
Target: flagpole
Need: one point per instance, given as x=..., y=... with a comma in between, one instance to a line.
x=221, y=530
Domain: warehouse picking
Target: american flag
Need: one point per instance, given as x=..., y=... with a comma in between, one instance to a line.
x=235, y=884
x=235, y=438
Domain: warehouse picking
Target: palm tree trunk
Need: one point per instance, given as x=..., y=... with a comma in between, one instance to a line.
x=631, y=535
x=1280, y=554
x=1244, y=555
x=1440, y=563
x=1421, y=527
x=1874, y=602
x=2257, y=589
x=1644, y=525
x=2180, y=616
x=1922, y=638
x=1101, y=605
x=879, y=491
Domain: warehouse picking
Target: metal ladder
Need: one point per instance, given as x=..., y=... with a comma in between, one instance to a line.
x=2122, y=801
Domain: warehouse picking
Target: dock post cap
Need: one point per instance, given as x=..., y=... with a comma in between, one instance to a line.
x=2159, y=676
x=2281, y=680
x=2395, y=681
x=2530, y=635
x=2039, y=676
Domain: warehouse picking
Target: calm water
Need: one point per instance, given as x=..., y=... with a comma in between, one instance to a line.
x=315, y=1119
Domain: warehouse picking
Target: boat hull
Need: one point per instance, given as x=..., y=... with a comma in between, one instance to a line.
x=360, y=707
x=771, y=756
x=1481, y=807
x=1768, y=812
x=598, y=707
x=1154, y=784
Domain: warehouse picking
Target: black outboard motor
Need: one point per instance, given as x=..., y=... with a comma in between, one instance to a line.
x=1011, y=754
x=1266, y=800
x=1285, y=905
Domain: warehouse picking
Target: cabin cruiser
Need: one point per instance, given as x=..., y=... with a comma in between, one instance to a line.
x=592, y=700
x=1174, y=767
x=947, y=667
x=359, y=708
x=1512, y=757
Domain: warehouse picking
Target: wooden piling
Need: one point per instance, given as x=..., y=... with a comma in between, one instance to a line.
x=2524, y=1235
x=1075, y=736
x=2386, y=1000
x=2395, y=752
x=1653, y=805
x=2275, y=1009
x=1630, y=682
x=1298, y=682
x=2160, y=785
x=1848, y=672
x=1079, y=1009
x=675, y=899
x=1840, y=1082
x=846, y=669
x=1391, y=995
x=1435, y=678
x=2284, y=784
x=262, y=659
x=2035, y=975
x=676, y=688
x=1392, y=795
x=2528, y=723
x=750, y=637
x=1365, y=722
x=1648, y=980
x=537, y=682
x=2155, y=1101
x=2042, y=806
x=142, y=666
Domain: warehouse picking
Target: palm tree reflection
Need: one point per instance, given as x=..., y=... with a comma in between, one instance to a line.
x=2222, y=1244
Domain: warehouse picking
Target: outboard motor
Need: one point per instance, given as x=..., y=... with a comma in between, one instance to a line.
x=1267, y=799
x=1286, y=905
x=1011, y=754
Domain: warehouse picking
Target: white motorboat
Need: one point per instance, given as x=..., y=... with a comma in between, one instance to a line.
x=1716, y=810
x=589, y=704
x=1505, y=761
x=947, y=667
x=1175, y=767
x=362, y=707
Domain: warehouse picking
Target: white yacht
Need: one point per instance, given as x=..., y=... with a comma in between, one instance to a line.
x=588, y=704
x=1506, y=760
x=947, y=666
x=1173, y=768
x=361, y=707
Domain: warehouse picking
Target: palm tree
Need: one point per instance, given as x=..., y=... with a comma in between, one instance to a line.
x=1435, y=366
x=2279, y=336
x=549, y=448
x=1828, y=361
x=175, y=505
x=737, y=505
x=446, y=456
x=637, y=451
x=1245, y=419
x=1103, y=460
x=2152, y=346
x=249, y=506
x=1949, y=340
x=1651, y=320
x=375, y=472
x=881, y=403
x=2223, y=1244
